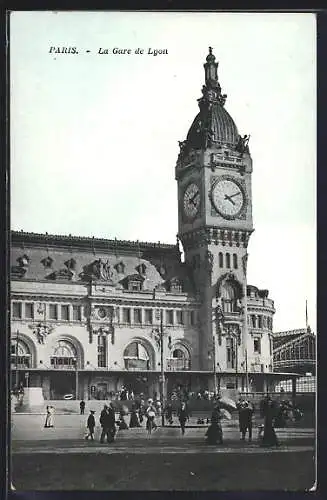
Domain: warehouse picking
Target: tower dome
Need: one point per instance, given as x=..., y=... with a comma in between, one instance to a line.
x=213, y=126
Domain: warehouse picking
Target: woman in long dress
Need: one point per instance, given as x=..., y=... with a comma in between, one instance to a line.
x=214, y=433
x=134, y=420
x=269, y=434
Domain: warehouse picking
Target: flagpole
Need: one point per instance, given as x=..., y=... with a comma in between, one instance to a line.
x=306, y=314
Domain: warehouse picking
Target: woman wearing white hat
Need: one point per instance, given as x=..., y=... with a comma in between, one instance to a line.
x=150, y=414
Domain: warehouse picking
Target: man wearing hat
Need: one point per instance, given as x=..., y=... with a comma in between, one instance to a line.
x=90, y=425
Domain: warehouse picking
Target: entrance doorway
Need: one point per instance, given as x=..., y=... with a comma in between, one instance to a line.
x=62, y=383
x=138, y=384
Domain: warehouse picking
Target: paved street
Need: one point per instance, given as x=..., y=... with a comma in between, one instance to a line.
x=63, y=447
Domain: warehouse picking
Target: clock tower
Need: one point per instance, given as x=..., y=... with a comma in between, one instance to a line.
x=213, y=173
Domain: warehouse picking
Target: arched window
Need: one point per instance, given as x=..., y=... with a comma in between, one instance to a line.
x=227, y=260
x=235, y=263
x=180, y=359
x=229, y=296
x=20, y=354
x=136, y=357
x=64, y=356
x=221, y=259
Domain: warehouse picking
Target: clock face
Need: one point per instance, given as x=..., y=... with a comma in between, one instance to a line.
x=191, y=200
x=228, y=198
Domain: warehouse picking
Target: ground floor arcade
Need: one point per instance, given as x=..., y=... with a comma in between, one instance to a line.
x=103, y=384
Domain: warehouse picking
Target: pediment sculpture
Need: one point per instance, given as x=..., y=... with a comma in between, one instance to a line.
x=99, y=270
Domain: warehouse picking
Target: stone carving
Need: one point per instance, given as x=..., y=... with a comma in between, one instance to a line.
x=71, y=264
x=103, y=313
x=41, y=330
x=62, y=274
x=155, y=334
x=47, y=261
x=24, y=260
x=120, y=267
x=100, y=270
x=209, y=261
x=235, y=331
x=18, y=271
x=141, y=268
x=242, y=145
x=106, y=330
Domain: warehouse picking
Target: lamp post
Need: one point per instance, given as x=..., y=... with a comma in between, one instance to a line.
x=162, y=376
x=245, y=320
x=16, y=378
x=214, y=364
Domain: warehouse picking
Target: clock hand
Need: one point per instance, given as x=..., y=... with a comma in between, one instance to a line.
x=193, y=197
x=229, y=199
x=235, y=194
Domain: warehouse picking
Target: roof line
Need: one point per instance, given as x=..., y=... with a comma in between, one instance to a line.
x=69, y=239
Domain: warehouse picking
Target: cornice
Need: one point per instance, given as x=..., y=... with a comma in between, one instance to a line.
x=118, y=301
x=211, y=235
x=29, y=239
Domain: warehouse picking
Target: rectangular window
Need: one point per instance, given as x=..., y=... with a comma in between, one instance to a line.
x=77, y=313
x=260, y=321
x=135, y=286
x=53, y=311
x=257, y=346
x=126, y=315
x=29, y=310
x=148, y=316
x=102, y=346
x=170, y=317
x=179, y=318
x=17, y=310
x=227, y=305
x=65, y=313
x=138, y=316
x=192, y=317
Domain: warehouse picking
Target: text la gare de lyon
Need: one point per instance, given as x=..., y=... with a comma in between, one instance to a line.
x=114, y=51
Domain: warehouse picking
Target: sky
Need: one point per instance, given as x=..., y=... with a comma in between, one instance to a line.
x=94, y=137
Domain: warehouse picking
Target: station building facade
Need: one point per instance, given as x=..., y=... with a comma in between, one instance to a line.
x=89, y=315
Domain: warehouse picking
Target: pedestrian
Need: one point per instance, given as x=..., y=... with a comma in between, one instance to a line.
x=122, y=420
x=182, y=417
x=245, y=416
x=51, y=416
x=169, y=413
x=107, y=422
x=269, y=434
x=215, y=432
x=90, y=425
x=47, y=418
x=82, y=407
x=134, y=420
x=111, y=422
x=150, y=414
